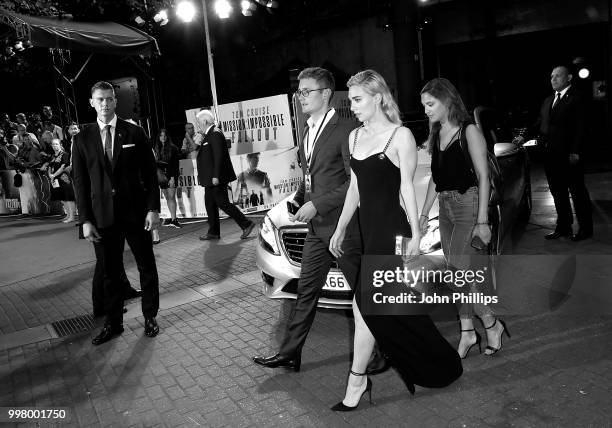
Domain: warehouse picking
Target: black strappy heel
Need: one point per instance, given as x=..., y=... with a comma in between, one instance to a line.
x=478, y=342
x=501, y=335
x=341, y=407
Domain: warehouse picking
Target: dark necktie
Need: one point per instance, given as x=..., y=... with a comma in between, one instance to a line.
x=108, y=144
x=557, y=99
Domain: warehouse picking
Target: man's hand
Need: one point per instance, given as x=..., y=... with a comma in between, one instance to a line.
x=151, y=221
x=306, y=213
x=215, y=181
x=171, y=182
x=574, y=158
x=90, y=232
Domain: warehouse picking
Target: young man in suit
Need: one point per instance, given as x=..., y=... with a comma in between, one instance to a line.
x=325, y=158
x=215, y=171
x=562, y=126
x=117, y=194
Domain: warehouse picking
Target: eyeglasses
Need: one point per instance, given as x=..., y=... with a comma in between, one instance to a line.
x=306, y=92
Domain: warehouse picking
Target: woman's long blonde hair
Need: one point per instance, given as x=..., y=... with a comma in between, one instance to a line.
x=373, y=83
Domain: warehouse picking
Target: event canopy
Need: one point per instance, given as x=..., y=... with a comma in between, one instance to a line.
x=93, y=37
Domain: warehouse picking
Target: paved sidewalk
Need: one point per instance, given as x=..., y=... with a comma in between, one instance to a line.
x=556, y=370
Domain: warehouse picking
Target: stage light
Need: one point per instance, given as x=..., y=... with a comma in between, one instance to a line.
x=223, y=9
x=19, y=46
x=161, y=17
x=139, y=20
x=185, y=11
x=584, y=73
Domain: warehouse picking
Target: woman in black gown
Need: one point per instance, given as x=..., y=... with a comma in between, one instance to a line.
x=383, y=162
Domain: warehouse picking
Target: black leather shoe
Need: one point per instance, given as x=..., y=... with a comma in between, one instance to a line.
x=132, y=293
x=581, y=236
x=151, y=327
x=279, y=361
x=247, y=231
x=107, y=333
x=209, y=237
x=557, y=234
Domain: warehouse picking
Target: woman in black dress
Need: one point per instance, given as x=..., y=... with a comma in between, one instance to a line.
x=61, y=184
x=383, y=162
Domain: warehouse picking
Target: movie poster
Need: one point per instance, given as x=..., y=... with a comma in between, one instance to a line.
x=263, y=179
x=263, y=155
x=10, y=202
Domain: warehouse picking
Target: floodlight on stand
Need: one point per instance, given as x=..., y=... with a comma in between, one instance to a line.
x=139, y=20
x=185, y=11
x=223, y=9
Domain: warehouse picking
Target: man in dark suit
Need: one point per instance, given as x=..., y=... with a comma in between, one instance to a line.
x=562, y=127
x=215, y=171
x=118, y=199
x=325, y=153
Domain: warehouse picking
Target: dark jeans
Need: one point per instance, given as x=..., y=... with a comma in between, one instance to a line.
x=112, y=244
x=316, y=261
x=563, y=179
x=458, y=214
x=215, y=198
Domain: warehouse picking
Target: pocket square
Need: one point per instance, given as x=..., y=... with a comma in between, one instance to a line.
x=125, y=146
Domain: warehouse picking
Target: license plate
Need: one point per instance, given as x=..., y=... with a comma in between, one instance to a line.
x=336, y=282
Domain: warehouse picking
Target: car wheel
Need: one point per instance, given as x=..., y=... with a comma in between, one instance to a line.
x=526, y=204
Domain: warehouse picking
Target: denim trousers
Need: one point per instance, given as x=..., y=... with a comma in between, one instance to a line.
x=458, y=215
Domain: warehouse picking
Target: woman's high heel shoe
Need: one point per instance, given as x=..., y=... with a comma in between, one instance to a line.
x=501, y=335
x=341, y=407
x=478, y=341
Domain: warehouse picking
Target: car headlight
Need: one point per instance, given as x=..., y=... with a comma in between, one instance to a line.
x=267, y=236
x=430, y=241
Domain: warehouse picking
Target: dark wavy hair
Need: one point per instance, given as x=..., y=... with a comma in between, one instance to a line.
x=163, y=151
x=443, y=90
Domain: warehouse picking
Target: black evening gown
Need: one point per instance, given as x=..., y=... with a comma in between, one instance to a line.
x=412, y=343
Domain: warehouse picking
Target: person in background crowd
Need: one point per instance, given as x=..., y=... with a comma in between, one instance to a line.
x=383, y=151
x=35, y=126
x=23, y=135
x=254, y=199
x=167, y=156
x=10, y=127
x=45, y=142
x=48, y=114
x=463, y=195
x=191, y=142
x=215, y=171
x=115, y=179
x=318, y=202
x=61, y=189
x=6, y=156
x=71, y=131
x=54, y=129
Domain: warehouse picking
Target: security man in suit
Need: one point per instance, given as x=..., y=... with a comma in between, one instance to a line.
x=562, y=126
x=325, y=158
x=215, y=171
x=117, y=196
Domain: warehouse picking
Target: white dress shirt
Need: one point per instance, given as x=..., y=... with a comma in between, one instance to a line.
x=113, y=125
x=562, y=94
x=314, y=131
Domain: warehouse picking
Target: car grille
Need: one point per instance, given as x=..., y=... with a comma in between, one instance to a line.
x=293, y=244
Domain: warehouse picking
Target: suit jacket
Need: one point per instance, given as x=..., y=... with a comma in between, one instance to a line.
x=330, y=177
x=213, y=159
x=123, y=193
x=563, y=127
